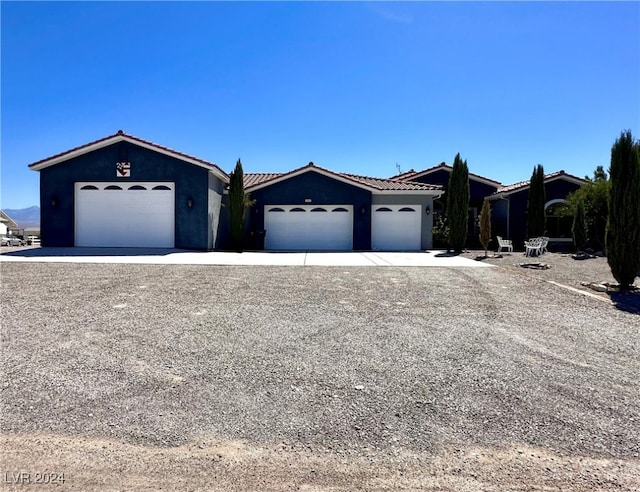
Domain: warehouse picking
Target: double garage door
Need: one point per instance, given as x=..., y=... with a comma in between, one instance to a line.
x=301, y=227
x=125, y=214
x=330, y=227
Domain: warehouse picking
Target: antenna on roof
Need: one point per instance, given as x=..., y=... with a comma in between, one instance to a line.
x=398, y=168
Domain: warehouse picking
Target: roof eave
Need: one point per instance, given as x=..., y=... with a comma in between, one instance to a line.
x=434, y=193
x=307, y=169
x=40, y=165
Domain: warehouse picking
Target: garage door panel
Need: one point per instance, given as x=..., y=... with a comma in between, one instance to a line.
x=131, y=215
x=396, y=227
x=292, y=227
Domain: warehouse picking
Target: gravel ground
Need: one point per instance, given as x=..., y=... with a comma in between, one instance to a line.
x=563, y=269
x=140, y=377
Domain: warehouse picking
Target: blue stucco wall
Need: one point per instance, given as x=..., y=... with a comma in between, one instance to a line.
x=556, y=189
x=477, y=190
x=57, y=223
x=322, y=190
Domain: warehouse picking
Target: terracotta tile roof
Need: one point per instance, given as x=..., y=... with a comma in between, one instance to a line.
x=252, y=180
x=404, y=175
x=442, y=165
x=121, y=135
x=391, y=184
x=547, y=177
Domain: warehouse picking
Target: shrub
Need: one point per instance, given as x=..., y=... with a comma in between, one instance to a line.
x=485, y=225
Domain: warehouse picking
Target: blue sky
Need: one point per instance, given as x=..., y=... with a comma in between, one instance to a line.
x=354, y=86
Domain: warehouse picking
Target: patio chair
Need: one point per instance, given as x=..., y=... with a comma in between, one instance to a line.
x=533, y=247
x=543, y=246
x=504, y=243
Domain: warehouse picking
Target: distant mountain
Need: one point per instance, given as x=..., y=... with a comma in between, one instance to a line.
x=24, y=217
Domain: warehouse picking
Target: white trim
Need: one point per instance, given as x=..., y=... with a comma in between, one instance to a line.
x=307, y=169
x=338, y=177
x=479, y=179
x=566, y=177
x=553, y=202
x=124, y=138
x=433, y=193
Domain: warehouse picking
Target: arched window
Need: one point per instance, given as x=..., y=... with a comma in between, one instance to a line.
x=318, y=209
x=558, y=221
x=161, y=187
x=113, y=187
x=137, y=187
x=89, y=187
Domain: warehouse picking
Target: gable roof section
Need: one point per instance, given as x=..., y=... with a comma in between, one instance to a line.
x=405, y=175
x=256, y=181
x=120, y=136
x=523, y=185
x=411, y=175
x=5, y=218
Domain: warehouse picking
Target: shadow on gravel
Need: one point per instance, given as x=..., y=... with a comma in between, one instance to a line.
x=483, y=257
x=626, y=301
x=49, y=252
x=447, y=254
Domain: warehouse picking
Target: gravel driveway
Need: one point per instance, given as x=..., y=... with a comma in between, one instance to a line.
x=142, y=377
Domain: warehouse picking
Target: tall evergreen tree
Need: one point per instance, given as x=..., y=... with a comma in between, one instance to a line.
x=237, y=205
x=623, y=225
x=579, y=227
x=458, y=204
x=485, y=225
x=536, y=219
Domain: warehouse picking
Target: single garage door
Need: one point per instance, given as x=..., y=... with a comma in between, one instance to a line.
x=296, y=227
x=396, y=227
x=125, y=214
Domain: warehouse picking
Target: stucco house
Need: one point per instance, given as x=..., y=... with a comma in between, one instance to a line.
x=479, y=188
x=509, y=208
x=124, y=191
x=315, y=208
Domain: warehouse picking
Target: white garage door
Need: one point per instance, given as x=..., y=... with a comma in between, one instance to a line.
x=396, y=227
x=323, y=227
x=125, y=214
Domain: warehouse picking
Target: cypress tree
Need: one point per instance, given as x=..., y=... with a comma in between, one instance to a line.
x=579, y=227
x=536, y=219
x=237, y=205
x=623, y=224
x=485, y=225
x=458, y=204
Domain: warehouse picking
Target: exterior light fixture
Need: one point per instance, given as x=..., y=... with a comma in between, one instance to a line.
x=190, y=202
x=54, y=201
x=427, y=210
